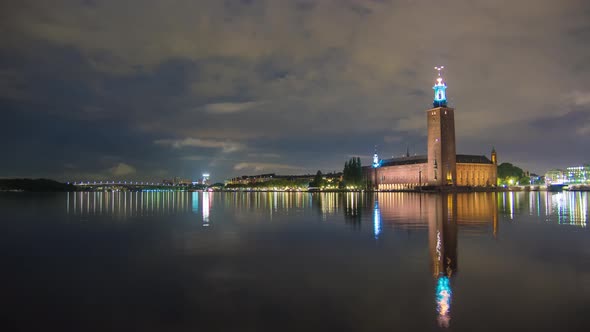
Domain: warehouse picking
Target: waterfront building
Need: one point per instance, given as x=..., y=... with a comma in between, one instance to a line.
x=442, y=166
x=177, y=181
x=578, y=174
x=261, y=178
x=571, y=175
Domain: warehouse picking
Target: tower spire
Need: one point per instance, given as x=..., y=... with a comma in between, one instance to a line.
x=440, y=98
x=376, y=162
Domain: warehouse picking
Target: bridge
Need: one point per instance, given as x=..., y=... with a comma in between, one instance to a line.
x=133, y=185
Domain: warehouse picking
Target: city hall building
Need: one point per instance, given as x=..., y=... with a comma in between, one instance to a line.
x=442, y=166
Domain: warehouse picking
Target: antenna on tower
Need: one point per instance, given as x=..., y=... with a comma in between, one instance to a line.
x=440, y=68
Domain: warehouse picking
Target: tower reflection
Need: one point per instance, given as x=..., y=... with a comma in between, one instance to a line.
x=442, y=231
x=442, y=215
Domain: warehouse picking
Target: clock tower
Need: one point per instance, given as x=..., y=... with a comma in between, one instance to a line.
x=442, y=168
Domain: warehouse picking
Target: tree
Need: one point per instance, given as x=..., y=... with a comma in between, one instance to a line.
x=359, y=172
x=346, y=171
x=318, y=180
x=511, y=175
x=353, y=172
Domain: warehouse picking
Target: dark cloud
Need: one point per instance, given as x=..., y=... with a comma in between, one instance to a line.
x=100, y=88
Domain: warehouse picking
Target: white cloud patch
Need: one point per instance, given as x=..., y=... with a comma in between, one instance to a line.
x=264, y=155
x=263, y=166
x=229, y=108
x=122, y=169
x=225, y=146
x=581, y=98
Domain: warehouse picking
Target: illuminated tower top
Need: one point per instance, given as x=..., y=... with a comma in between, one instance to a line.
x=440, y=97
x=376, y=161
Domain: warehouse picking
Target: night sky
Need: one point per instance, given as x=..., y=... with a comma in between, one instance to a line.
x=153, y=89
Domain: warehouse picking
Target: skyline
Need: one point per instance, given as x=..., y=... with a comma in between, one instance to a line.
x=147, y=90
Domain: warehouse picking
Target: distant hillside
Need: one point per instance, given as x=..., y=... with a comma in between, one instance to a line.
x=38, y=185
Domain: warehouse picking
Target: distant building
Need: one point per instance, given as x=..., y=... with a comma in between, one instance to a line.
x=571, y=175
x=247, y=179
x=442, y=166
x=578, y=174
x=554, y=176
x=177, y=181
x=252, y=179
x=205, y=179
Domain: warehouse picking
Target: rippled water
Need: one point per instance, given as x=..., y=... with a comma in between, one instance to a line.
x=295, y=261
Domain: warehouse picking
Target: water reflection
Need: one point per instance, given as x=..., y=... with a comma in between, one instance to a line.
x=565, y=208
x=442, y=230
x=408, y=247
x=131, y=204
x=387, y=210
x=376, y=219
x=206, y=207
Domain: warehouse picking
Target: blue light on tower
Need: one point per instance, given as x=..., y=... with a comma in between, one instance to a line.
x=440, y=96
x=376, y=161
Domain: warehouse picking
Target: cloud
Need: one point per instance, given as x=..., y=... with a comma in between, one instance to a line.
x=583, y=130
x=12, y=84
x=122, y=169
x=330, y=68
x=580, y=98
x=264, y=166
x=194, y=158
x=225, y=146
x=415, y=123
x=264, y=155
x=228, y=108
x=392, y=139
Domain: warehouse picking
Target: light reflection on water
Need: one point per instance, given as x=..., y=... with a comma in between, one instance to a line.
x=362, y=236
x=442, y=215
x=395, y=209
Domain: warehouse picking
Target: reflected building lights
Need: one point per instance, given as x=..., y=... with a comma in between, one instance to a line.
x=195, y=203
x=205, y=208
x=376, y=220
x=583, y=210
x=511, y=204
x=384, y=210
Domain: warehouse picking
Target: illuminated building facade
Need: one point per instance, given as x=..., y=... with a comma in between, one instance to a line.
x=442, y=166
x=554, y=176
x=571, y=175
x=578, y=174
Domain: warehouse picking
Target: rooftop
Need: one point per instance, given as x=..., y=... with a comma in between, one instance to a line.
x=473, y=159
x=405, y=160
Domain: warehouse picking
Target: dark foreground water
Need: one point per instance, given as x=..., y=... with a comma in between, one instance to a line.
x=294, y=262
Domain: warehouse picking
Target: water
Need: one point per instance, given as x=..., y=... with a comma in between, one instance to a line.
x=295, y=261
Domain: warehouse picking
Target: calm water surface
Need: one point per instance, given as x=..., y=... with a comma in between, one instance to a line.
x=295, y=261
